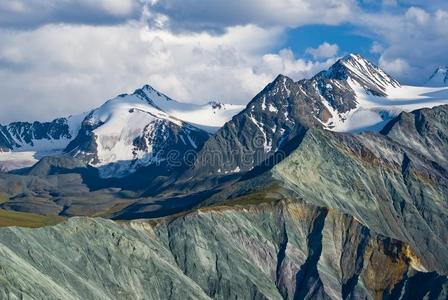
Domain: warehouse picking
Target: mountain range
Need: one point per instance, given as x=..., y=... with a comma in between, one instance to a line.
x=123, y=134
x=333, y=187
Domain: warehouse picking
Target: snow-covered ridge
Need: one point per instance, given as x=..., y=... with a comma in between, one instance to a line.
x=369, y=72
x=374, y=112
x=122, y=120
x=139, y=129
x=24, y=143
x=210, y=116
x=130, y=130
x=374, y=96
x=42, y=136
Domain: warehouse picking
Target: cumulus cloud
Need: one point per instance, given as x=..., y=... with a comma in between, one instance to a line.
x=284, y=62
x=324, y=50
x=410, y=44
x=73, y=68
x=71, y=55
x=34, y=13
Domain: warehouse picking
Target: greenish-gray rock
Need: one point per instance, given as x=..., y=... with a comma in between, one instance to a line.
x=284, y=249
x=392, y=189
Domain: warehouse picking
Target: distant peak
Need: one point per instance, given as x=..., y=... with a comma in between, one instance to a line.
x=148, y=87
x=145, y=89
x=441, y=69
x=281, y=77
x=352, y=56
x=149, y=93
x=359, y=69
x=439, y=77
x=354, y=60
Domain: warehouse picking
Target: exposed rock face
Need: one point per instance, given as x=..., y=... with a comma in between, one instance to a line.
x=269, y=122
x=354, y=67
x=390, y=188
x=352, y=216
x=125, y=134
x=276, y=119
x=423, y=130
x=130, y=132
x=281, y=250
x=5, y=139
x=40, y=135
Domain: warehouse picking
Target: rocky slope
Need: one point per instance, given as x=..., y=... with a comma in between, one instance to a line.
x=53, y=135
x=393, y=189
x=283, y=249
x=342, y=215
x=423, y=130
x=131, y=132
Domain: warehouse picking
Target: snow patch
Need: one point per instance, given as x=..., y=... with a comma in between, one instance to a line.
x=272, y=108
x=373, y=112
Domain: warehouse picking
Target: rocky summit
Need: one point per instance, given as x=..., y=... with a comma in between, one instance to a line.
x=333, y=187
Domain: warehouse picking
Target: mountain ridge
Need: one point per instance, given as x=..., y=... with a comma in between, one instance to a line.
x=23, y=151
x=341, y=98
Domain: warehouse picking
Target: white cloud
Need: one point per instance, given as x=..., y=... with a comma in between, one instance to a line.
x=376, y=48
x=324, y=50
x=397, y=66
x=285, y=63
x=411, y=44
x=417, y=14
x=72, y=55
x=57, y=70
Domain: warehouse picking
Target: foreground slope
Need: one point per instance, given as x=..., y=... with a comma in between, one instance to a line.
x=275, y=249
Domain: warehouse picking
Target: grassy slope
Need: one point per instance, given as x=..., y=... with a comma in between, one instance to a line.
x=12, y=218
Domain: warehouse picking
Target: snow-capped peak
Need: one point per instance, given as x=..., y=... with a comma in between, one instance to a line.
x=354, y=67
x=135, y=130
x=439, y=77
x=208, y=116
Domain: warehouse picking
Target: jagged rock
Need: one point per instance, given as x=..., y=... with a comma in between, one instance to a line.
x=423, y=130
x=351, y=96
x=390, y=188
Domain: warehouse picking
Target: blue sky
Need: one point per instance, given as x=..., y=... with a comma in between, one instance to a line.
x=346, y=36
x=73, y=55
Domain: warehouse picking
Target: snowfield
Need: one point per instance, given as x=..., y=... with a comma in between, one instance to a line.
x=373, y=112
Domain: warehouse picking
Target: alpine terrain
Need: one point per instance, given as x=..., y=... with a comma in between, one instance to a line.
x=333, y=187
